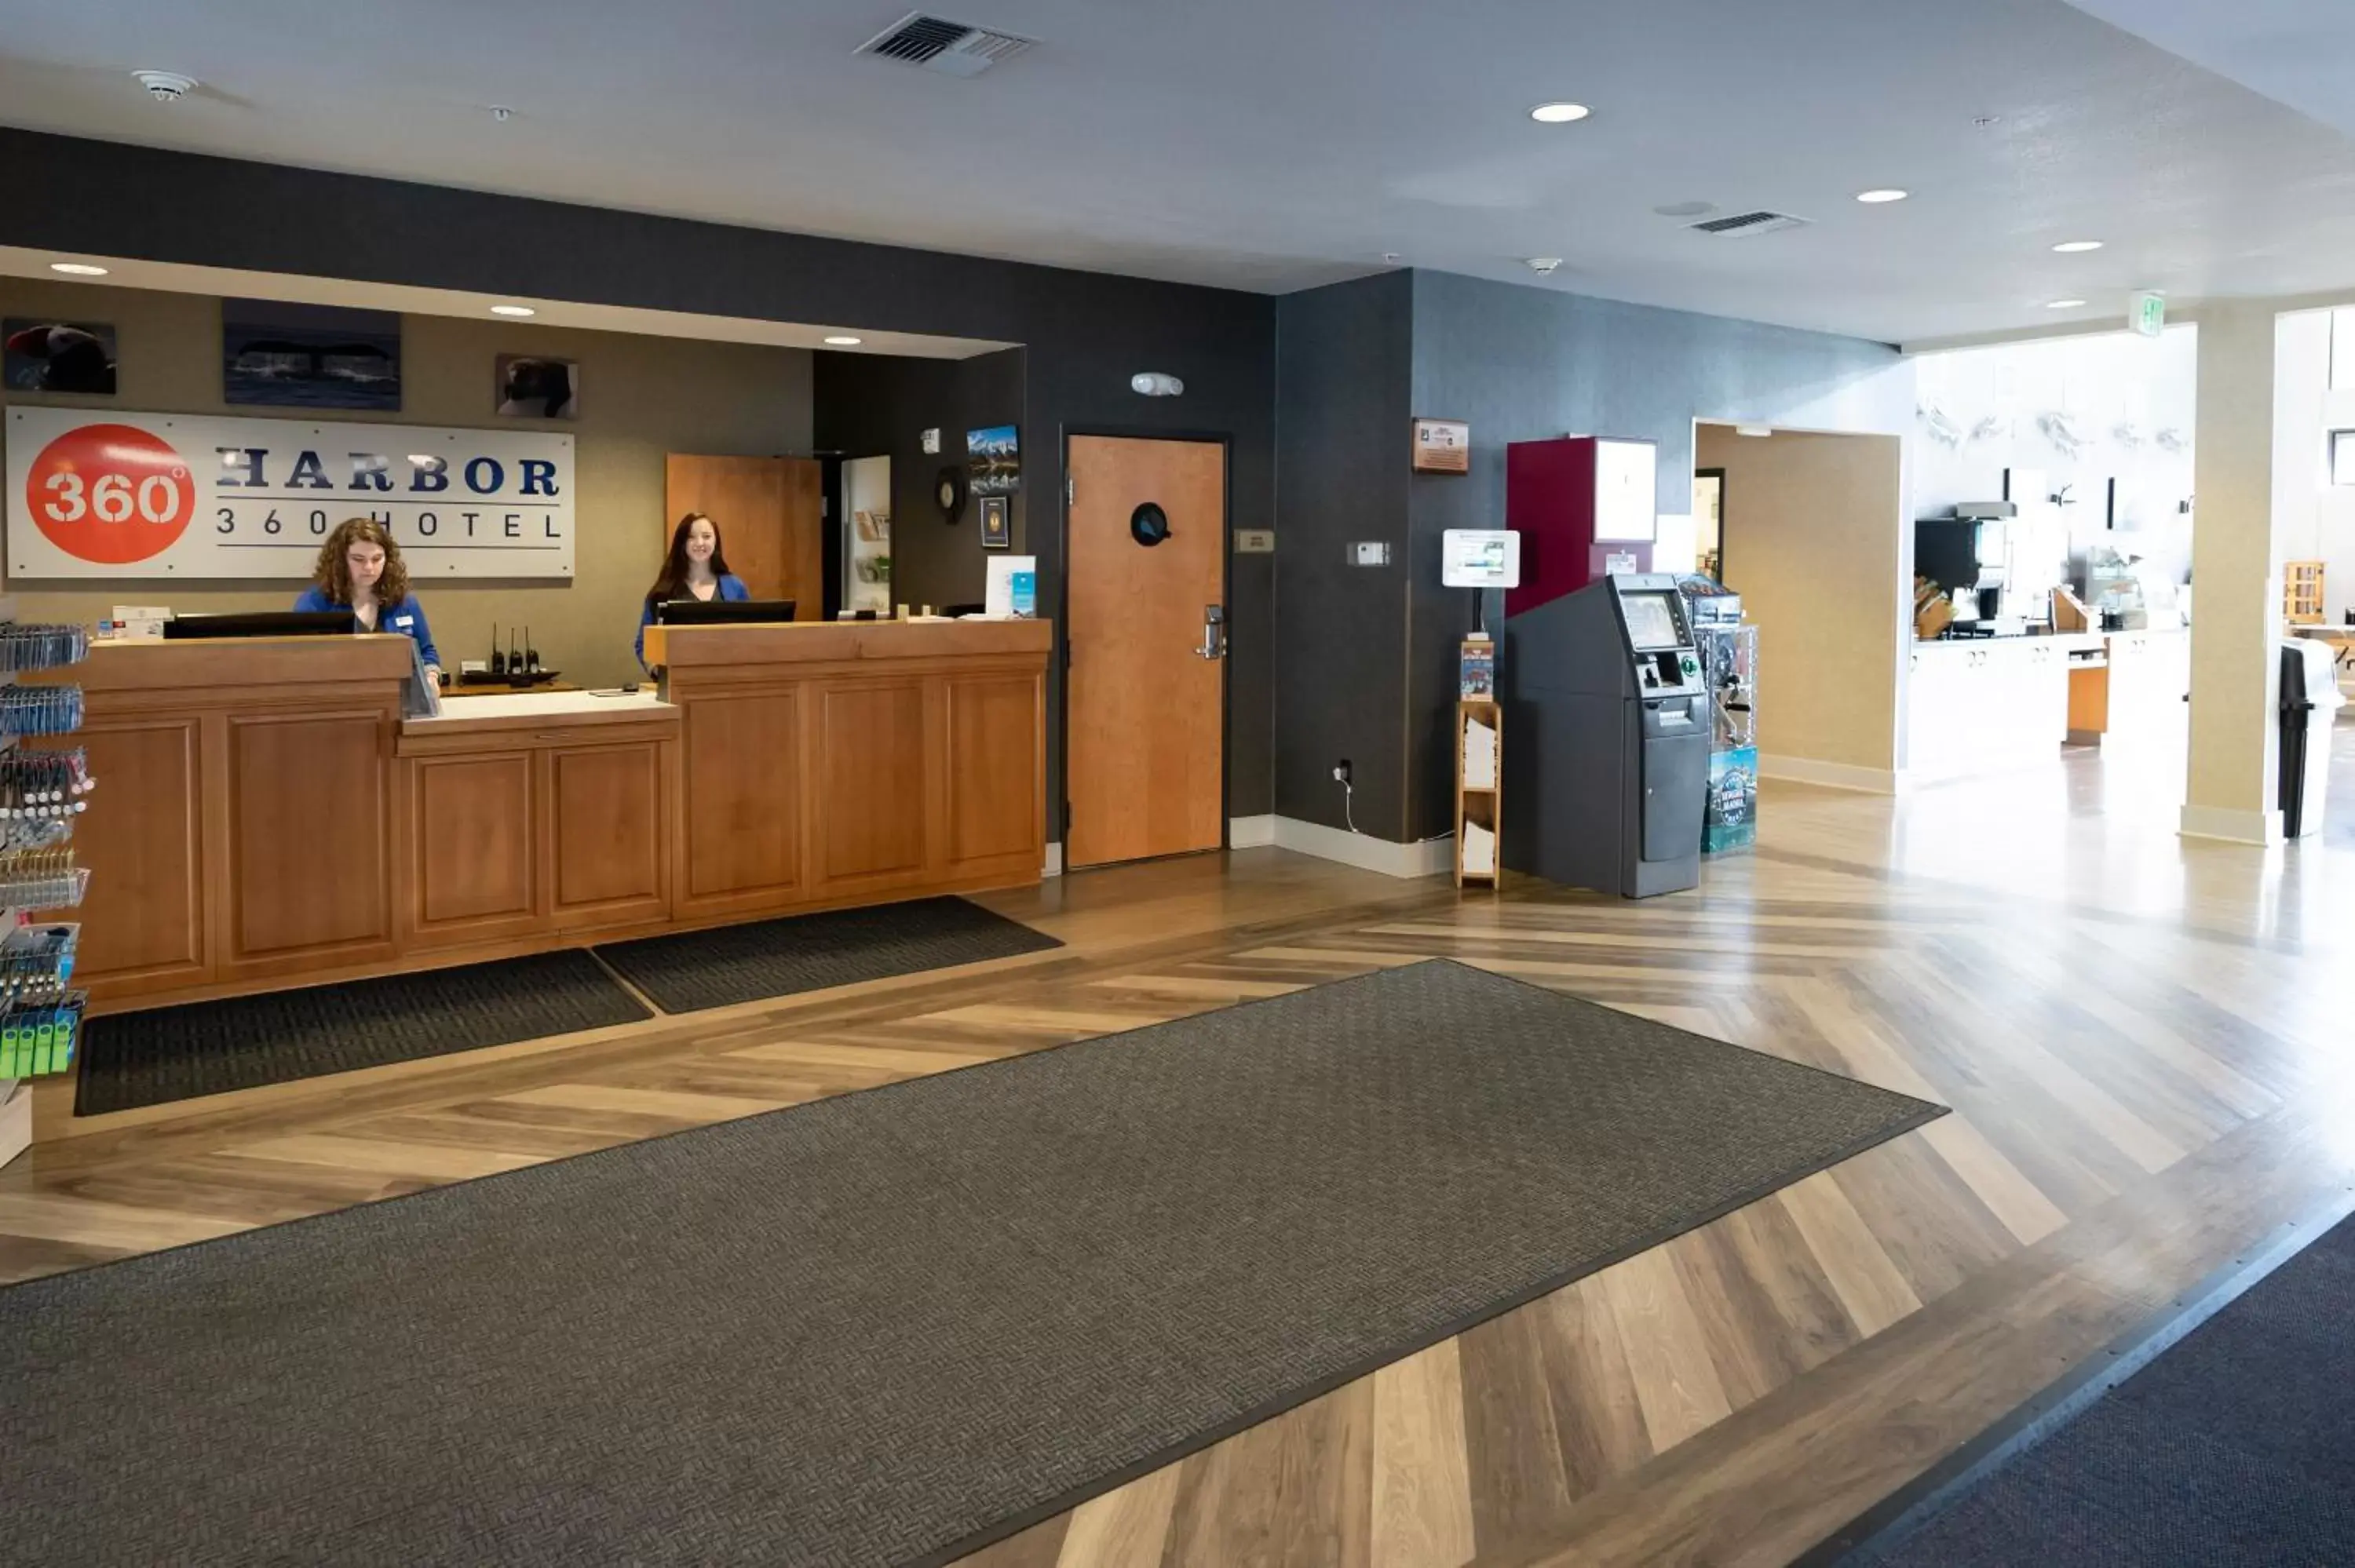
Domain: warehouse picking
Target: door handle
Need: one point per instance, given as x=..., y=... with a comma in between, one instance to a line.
x=1214, y=632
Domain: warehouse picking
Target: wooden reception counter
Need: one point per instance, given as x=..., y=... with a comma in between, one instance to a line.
x=264, y=817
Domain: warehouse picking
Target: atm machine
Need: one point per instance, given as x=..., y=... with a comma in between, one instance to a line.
x=1611, y=723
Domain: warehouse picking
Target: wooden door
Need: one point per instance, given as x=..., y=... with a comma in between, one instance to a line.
x=768, y=512
x=1144, y=710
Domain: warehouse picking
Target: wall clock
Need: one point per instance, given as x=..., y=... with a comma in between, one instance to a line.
x=948, y=489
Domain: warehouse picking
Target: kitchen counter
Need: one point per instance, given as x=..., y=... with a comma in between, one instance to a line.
x=1987, y=704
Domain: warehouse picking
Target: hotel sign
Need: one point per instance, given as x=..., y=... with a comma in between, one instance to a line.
x=123, y=496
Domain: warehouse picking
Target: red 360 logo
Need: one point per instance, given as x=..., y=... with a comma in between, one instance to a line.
x=111, y=495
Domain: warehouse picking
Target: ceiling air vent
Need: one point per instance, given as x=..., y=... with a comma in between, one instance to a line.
x=1738, y=224
x=953, y=48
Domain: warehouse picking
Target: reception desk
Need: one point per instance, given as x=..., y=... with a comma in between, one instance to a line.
x=264, y=817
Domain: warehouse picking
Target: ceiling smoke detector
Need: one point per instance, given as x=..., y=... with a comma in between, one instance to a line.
x=1543, y=265
x=953, y=48
x=165, y=86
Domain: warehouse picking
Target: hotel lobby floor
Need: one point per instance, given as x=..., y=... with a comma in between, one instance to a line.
x=2142, y=1038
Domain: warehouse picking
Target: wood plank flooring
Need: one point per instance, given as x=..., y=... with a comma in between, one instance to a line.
x=2143, y=1039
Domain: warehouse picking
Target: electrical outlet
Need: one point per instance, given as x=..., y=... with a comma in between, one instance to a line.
x=1341, y=771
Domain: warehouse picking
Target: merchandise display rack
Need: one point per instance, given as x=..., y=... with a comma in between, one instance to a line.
x=1480, y=795
x=41, y=792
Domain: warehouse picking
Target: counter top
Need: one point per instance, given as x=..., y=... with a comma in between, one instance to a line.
x=2063, y=641
x=842, y=641
x=525, y=710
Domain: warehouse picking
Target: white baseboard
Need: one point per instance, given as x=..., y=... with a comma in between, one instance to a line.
x=1054, y=866
x=1830, y=775
x=1362, y=851
x=2263, y=829
x=16, y=1119
x=1249, y=832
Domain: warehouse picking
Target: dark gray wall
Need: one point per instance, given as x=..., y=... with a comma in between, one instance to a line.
x=1344, y=358
x=1522, y=363
x=1085, y=333
x=880, y=405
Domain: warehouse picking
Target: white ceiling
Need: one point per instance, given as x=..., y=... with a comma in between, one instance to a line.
x=2301, y=52
x=1275, y=144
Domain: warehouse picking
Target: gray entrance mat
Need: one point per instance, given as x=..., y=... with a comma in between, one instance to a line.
x=729, y=964
x=891, y=1326
x=134, y=1059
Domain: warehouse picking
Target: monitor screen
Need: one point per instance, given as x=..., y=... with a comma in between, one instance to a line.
x=723, y=611
x=1651, y=621
x=264, y=624
x=1480, y=557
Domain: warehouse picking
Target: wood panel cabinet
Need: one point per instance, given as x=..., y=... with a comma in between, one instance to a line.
x=519, y=830
x=242, y=823
x=145, y=922
x=473, y=865
x=265, y=817
x=921, y=764
x=874, y=773
x=310, y=835
x=996, y=772
x=742, y=827
x=609, y=832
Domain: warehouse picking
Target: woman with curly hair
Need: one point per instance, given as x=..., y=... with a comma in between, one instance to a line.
x=359, y=569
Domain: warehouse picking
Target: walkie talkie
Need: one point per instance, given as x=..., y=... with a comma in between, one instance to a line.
x=530, y=654
x=499, y=658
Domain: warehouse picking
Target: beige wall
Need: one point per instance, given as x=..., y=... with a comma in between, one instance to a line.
x=640, y=398
x=2236, y=582
x=1812, y=528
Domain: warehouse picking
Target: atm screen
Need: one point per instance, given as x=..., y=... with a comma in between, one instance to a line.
x=1651, y=622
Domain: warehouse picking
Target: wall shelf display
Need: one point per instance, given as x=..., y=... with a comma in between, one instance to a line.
x=866, y=541
x=1479, y=790
x=41, y=796
x=2302, y=592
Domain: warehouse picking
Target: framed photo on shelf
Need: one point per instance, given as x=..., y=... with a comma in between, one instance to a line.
x=997, y=525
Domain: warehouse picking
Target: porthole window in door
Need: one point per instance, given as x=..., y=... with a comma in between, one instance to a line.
x=1148, y=524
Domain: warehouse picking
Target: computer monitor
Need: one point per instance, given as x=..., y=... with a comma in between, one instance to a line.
x=722, y=611
x=264, y=624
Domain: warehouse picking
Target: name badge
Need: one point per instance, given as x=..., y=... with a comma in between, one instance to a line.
x=402, y=621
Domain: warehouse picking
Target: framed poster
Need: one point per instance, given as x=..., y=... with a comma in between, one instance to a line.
x=111, y=495
x=309, y=356
x=534, y=387
x=996, y=529
x=60, y=356
x=994, y=458
x=1443, y=446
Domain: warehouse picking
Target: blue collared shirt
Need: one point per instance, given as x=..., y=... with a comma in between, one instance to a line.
x=408, y=618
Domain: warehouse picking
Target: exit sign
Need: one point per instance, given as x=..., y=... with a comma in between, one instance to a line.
x=2149, y=316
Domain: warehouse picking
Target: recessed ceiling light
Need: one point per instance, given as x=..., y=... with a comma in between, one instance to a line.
x=513, y=310
x=1875, y=197
x=77, y=268
x=2074, y=246
x=842, y=340
x=2063, y=305
x=1558, y=113
x=1758, y=432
